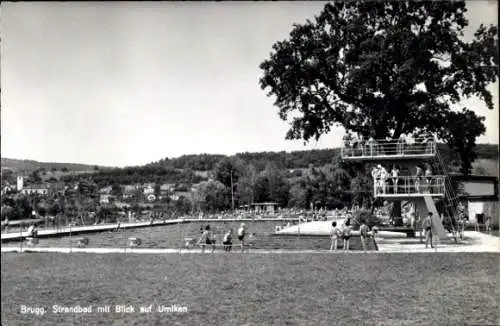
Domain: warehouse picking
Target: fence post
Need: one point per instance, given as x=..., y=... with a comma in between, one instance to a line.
x=70, y=241
x=298, y=230
x=180, y=236
x=21, y=234
x=126, y=239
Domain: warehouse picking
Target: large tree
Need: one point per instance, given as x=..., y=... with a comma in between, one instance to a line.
x=272, y=185
x=380, y=68
x=211, y=196
x=462, y=137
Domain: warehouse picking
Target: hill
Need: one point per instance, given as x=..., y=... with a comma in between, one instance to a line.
x=29, y=166
x=189, y=169
x=44, y=171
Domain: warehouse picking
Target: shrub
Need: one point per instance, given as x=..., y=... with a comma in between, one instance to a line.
x=365, y=215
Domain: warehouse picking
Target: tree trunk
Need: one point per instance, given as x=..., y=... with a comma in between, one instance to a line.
x=396, y=213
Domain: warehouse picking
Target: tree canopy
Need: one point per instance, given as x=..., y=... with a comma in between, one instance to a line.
x=381, y=69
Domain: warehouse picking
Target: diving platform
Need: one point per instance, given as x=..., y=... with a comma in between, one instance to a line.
x=411, y=187
x=380, y=150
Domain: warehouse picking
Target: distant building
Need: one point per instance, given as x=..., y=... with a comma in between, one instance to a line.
x=56, y=188
x=121, y=205
x=8, y=188
x=129, y=191
x=149, y=190
x=179, y=194
x=269, y=207
x=166, y=190
x=105, y=190
x=20, y=182
x=105, y=198
x=35, y=189
x=480, y=194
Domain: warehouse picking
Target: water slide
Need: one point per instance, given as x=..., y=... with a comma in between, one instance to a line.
x=436, y=219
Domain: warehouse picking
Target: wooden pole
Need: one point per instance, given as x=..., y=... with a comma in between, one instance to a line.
x=232, y=192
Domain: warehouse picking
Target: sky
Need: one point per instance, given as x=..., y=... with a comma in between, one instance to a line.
x=122, y=84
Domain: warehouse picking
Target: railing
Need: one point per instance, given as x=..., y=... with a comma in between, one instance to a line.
x=452, y=201
x=406, y=185
x=379, y=148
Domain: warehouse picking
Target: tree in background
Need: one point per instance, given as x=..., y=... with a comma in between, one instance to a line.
x=362, y=189
x=8, y=212
x=86, y=188
x=117, y=190
x=55, y=208
x=8, y=177
x=245, y=185
x=229, y=171
x=23, y=207
x=461, y=138
x=183, y=205
x=272, y=185
x=35, y=176
x=211, y=196
x=42, y=207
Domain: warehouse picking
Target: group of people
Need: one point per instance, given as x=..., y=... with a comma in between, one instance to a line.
x=344, y=232
x=384, y=179
x=208, y=238
x=404, y=145
x=358, y=143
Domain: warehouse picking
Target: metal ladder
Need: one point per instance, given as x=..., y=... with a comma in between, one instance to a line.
x=451, y=199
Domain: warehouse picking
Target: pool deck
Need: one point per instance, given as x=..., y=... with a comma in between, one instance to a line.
x=473, y=242
x=43, y=233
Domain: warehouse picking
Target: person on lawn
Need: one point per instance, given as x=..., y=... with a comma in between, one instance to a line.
x=206, y=239
x=427, y=227
x=335, y=234
x=227, y=241
x=241, y=235
x=487, y=223
x=346, y=234
x=363, y=232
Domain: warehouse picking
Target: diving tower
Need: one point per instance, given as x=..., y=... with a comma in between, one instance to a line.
x=422, y=190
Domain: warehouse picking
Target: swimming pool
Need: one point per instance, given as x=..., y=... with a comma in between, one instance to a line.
x=260, y=236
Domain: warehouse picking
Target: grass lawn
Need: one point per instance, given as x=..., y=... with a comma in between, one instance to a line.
x=255, y=289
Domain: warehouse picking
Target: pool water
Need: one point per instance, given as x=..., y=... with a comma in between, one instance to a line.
x=259, y=236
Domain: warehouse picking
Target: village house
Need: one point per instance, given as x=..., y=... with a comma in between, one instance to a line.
x=57, y=188
x=105, y=195
x=129, y=191
x=166, y=190
x=8, y=188
x=148, y=189
x=178, y=194
x=35, y=189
